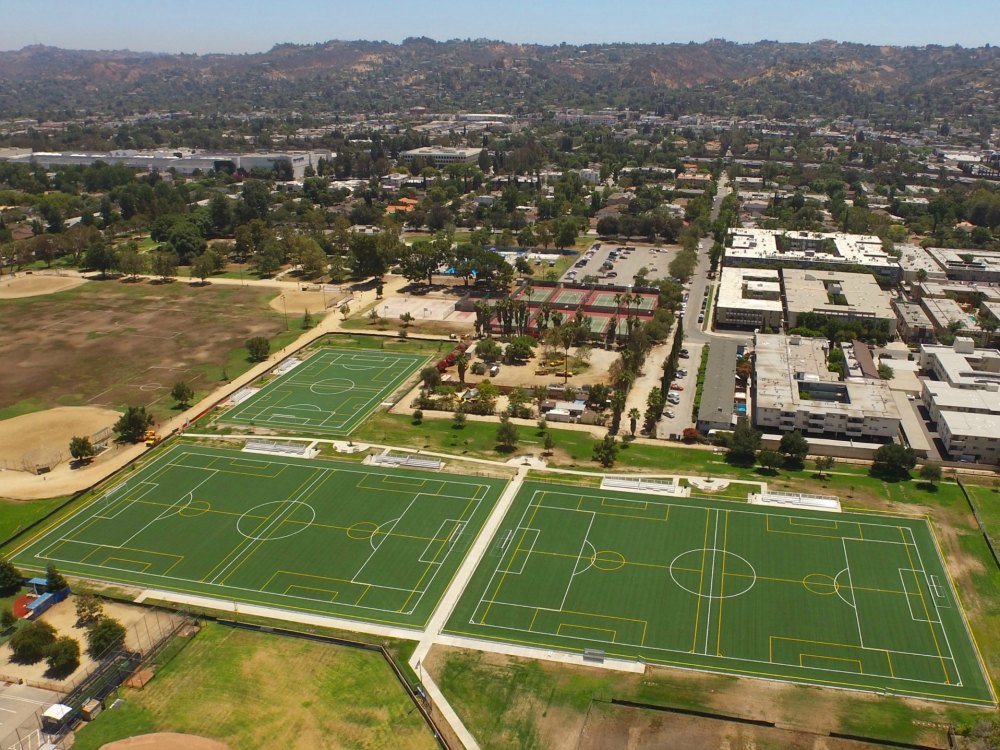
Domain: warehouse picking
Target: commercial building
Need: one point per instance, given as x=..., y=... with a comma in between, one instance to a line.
x=794, y=390
x=778, y=248
x=749, y=298
x=852, y=296
x=441, y=156
x=183, y=161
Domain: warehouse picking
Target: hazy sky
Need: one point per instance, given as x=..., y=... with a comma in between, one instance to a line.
x=256, y=25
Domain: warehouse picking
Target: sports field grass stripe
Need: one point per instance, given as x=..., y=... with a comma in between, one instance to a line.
x=722, y=584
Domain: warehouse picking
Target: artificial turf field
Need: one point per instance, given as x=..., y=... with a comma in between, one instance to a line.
x=314, y=535
x=330, y=393
x=848, y=600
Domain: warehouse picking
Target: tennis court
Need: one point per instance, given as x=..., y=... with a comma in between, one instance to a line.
x=330, y=393
x=847, y=600
x=314, y=535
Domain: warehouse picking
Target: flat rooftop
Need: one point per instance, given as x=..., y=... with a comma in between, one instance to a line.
x=835, y=293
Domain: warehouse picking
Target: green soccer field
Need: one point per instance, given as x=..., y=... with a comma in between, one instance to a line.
x=313, y=535
x=330, y=393
x=848, y=600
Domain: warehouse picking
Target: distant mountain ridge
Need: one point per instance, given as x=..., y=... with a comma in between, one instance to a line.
x=482, y=74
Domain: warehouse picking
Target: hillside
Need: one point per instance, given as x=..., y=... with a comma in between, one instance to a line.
x=717, y=76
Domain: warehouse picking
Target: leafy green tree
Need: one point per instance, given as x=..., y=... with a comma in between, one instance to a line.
x=132, y=425
x=458, y=420
x=55, y=581
x=488, y=350
x=770, y=460
x=204, y=265
x=89, y=609
x=430, y=377
x=7, y=619
x=81, y=449
x=506, y=435
x=163, y=263
x=824, y=464
x=10, y=577
x=185, y=239
x=130, y=261
x=606, y=451
x=104, y=635
x=930, y=472
x=744, y=445
x=258, y=348
x=100, y=257
x=63, y=656
x=565, y=232
x=32, y=641
x=548, y=442
x=418, y=416
x=893, y=462
x=256, y=201
x=794, y=447
x=182, y=393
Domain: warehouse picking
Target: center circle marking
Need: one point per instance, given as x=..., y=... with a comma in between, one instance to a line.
x=362, y=530
x=820, y=583
x=259, y=516
x=686, y=570
x=609, y=559
x=332, y=386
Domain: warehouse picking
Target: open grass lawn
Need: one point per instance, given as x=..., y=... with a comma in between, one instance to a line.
x=310, y=535
x=254, y=690
x=329, y=393
x=846, y=600
x=16, y=515
x=115, y=343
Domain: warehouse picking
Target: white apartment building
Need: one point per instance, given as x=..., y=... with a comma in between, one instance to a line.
x=794, y=390
x=749, y=298
x=970, y=436
x=780, y=248
x=852, y=296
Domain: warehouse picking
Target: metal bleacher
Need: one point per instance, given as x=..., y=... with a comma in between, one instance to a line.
x=407, y=460
x=273, y=446
x=664, y=486
x=799, y=500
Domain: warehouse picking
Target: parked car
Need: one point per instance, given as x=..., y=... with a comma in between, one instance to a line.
x=676, y=387
x=684, y=355
x=612, y=274
x=670, y=414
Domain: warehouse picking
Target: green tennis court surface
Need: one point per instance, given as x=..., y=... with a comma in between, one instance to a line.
x=319, y=536
x=330, y=393
x=848, y=600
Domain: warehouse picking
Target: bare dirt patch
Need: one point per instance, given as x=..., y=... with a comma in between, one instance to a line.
x=62, y=617
x=114, y=343
x=37, y=285
x=27, y=437
x=166, y=741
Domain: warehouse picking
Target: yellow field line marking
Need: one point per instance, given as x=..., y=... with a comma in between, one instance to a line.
x=128, y=561
x=923, y=603
x=524, y=531
x=701, y=580
x=958, y=597
x=614, y=633
x=293, y=586
x=722, y=590
x=821, y=657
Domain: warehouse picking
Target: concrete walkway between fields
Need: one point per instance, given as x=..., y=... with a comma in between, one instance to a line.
x=447, y=604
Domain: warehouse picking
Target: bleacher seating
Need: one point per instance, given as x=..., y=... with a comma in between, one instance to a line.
x=664, y=486
x=274, y=446
x=407, y=460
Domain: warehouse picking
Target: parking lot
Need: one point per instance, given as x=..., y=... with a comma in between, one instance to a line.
x=682, y=409
x=612, y=263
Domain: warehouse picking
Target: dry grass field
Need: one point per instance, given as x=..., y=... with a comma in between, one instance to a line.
x=114, y=343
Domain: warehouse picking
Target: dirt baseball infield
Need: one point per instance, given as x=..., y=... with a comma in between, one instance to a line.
x=166, y=741
x=34, y=286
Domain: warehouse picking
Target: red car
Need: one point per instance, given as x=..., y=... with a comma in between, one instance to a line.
x=676, y=387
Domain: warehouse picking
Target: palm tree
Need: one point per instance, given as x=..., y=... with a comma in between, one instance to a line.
x=462, y=363
x=633, y=419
